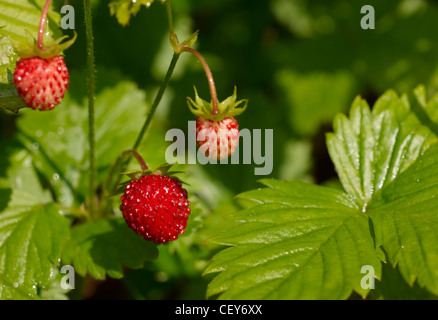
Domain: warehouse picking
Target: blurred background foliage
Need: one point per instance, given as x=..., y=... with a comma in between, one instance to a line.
x=298, y=62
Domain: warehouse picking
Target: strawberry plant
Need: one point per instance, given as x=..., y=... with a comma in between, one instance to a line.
x=87, y=198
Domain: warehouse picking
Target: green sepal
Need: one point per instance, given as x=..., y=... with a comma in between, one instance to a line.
x=137, y=174
x=189, y=42
x=162, y=170
x=227, y=108
x=120, y=189
x=29, y=48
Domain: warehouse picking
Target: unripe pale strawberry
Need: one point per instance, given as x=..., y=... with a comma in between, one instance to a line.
x=217, y=133
x=217, y=139
x=41, y=76
x=41, y=83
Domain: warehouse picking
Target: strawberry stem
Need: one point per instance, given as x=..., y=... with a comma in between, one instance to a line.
x=119, y=160
x=42, y=24
x=138, y=157
x=178, y=48
x=152, y=111
x=209, y=75
x=157, y=100
x=146, y=125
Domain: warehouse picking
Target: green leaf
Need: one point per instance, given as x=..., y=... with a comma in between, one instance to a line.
x=16, y=17
x=31, y=241
x=299, y=242
x=54, y=290
x=60, y=148
x=9, y=98
x=426, y=111
x=406, y=222
x=124, y=9
x=24, y=182
x=104, y=247
x=383, y=163
x=370, y=149
x=24, y=197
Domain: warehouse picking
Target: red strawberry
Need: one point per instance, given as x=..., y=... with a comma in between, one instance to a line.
x=41, y=83
x=156, y=207
x=217, y=139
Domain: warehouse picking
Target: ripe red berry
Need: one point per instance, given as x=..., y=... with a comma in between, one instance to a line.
x=156, y=208
x=41, y=83
x=217, y=139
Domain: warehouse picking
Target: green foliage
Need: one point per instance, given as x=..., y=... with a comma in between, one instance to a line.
x=124, y=9
x=301, y=242
x=406, y=222
x=105, y=247
x=32, y=238
x=49, y=162
x=32, y=231
x=381, y=161
x=370, y=150
x=308, y=242
x=60, y=148
x=309, y=110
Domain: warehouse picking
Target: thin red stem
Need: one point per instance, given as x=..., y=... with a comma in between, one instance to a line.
x=119, y=160
x=209, y=75
x=42, y=24
x=139, y=158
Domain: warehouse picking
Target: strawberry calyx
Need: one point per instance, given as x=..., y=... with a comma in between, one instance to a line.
x=230, y=107
x=29, y=48
x=162, y=170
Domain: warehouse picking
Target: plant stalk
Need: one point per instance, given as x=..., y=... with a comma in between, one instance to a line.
x=169, y=16
x=146, y=125
x=157, y=100
x=91, y=114
x=152, y=111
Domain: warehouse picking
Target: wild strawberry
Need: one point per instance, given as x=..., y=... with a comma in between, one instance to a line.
x=156, y=207
x=41, y=76
x=217, y=133
x=217, y=139
x=41, y=83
